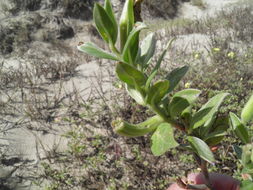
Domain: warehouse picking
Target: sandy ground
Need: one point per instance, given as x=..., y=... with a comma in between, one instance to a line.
x=31, y=147
x=211, y=8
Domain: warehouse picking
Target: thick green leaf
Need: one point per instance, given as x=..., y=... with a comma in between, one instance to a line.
x=131, y=47
x=246, y=154
x=110, y=12
x=163, y=139
x=201, y=148
x=147, y=50
x=104, y=24
x=190, y=95
x=157, y=92
x=213, y=103
x=177, y=106
x=126, y=22
x=187, y=116
x=135, y=130
x=215, y=138
x=151, y=121
x=246, y=185
x=175, y=76
x=251, y=157
x=130, y=75
x=158, y=64
x=218, y=131
x=238, y=151
x=239, y=128
x=165, y=104
x=200, y=118
x=95, y=51
x=136, y=95
x=149, y=80
x=247, y=111
x=246, y=160
x=221, y=123
x=133, y=50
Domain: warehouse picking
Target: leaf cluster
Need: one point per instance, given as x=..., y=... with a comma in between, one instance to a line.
x=244, y=152
x=203, y=128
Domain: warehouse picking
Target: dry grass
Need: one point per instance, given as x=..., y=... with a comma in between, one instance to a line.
x=105, y=160
x=97, y=158
x=198, y=3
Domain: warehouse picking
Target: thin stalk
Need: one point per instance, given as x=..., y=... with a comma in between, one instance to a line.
x=203, y=166
x=205, y=172
x=184, y=185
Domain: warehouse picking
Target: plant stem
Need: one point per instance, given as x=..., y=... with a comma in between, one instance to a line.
x=184, y=185
x=203, y=166
x=205, y=172
x=114, y=49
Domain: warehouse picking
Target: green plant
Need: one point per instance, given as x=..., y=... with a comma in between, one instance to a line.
x=245, y=152
x=201, y=128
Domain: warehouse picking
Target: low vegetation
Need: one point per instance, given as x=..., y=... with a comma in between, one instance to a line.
x=97, y=158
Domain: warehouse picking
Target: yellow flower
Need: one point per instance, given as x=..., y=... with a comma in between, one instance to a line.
x=120, y=86
x=216, y=49
x=231, y=55
x=187, y=85
x=197, y=56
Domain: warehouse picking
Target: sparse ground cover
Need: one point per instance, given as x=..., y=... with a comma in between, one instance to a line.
x=198, y=3
x=224, y=65
x=96, y=158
